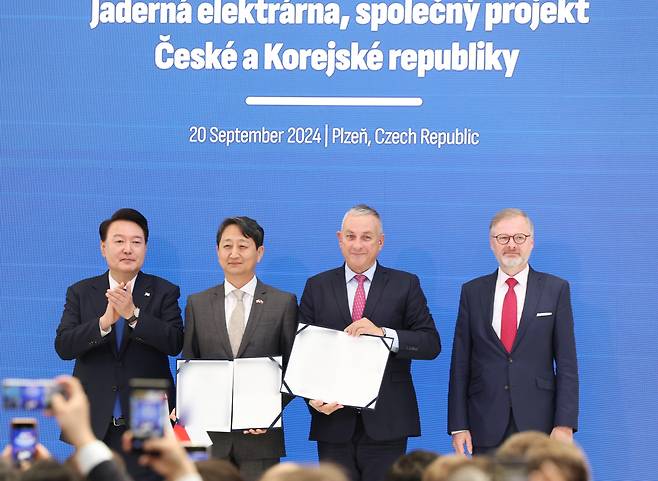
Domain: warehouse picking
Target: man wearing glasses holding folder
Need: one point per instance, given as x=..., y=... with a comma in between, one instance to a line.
x=364, y=297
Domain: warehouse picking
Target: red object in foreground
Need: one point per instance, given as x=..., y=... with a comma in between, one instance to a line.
x=181, y=434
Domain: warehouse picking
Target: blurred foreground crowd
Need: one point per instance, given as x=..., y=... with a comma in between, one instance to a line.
x=525, y=456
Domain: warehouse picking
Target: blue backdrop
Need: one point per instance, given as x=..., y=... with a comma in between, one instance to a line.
x=90, y=124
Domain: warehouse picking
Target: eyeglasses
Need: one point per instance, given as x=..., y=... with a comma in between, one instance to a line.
x=503, y=239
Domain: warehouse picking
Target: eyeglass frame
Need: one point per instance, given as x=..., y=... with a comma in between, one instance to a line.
x=511, y=237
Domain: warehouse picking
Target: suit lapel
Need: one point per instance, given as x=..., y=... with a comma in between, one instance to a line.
x=340, y=295
x=142, y=290
x=257, y=307
x=141, y=297
x=488, y=293
x=377, y=286
x=532, y=294
x=219, y=319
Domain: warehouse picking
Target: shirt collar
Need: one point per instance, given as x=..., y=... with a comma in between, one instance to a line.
x=114, y=284
x=521, y=277
x=248, y=288
x=369, y=273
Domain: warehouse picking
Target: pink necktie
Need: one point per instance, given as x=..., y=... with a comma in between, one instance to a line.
x=508, y=319
x=359, y=298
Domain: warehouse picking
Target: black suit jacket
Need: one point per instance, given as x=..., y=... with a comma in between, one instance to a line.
x=396, y=301
x=107, y=471
x=538, y=379
x=105, y=370
x=270, y=331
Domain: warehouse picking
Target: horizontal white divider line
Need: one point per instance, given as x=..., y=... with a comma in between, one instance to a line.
x=338, y=101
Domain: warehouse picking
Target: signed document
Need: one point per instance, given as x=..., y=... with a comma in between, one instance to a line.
x=223, y=396
x=335, y=367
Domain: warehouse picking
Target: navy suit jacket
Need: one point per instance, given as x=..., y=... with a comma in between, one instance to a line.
x=396, y=301
x=538, y=378
x=102, y=368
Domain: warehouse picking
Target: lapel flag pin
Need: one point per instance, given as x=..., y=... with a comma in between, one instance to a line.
x=259, y=301
x=147, y=294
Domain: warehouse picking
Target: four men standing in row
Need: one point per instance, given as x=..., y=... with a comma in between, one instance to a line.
x=513, y=362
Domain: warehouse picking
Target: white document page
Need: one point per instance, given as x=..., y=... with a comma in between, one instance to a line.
x=334, y=367
x=203, y=394
x=198, y=436
x=256, y=393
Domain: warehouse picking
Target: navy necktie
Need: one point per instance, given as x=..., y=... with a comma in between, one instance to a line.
x=118, y=330
x=118, y=333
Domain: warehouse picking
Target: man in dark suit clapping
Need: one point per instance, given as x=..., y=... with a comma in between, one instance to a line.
x=120, y=325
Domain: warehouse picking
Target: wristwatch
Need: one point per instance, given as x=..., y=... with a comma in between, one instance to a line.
x=134, y=317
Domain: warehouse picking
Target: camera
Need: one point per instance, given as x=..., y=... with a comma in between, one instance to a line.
x=28, y=394
x=148, y=410
x=24, y=439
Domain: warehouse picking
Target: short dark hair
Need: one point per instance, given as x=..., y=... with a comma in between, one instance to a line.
x=130, y=215
x=248, y=226
x=217, y=470
x=410, y=467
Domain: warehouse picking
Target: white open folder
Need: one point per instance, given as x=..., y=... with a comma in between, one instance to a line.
x=333, y=366
x=228, y=395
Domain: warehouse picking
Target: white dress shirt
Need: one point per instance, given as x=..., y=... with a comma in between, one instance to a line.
x=230, y=301
x=352, y=284
x=499, y=296
x=113, y=285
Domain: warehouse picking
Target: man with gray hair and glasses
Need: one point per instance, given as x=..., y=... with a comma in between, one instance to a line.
x=514, y=354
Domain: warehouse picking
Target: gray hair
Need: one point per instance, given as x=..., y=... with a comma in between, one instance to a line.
x=362, y=209
x=511, y=212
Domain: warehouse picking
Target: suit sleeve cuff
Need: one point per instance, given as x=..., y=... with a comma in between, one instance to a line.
x=91, y=455
x=388, y=332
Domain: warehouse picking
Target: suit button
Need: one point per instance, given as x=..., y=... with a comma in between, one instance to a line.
x=116, y=388
x=506, y=387
x=510, y=360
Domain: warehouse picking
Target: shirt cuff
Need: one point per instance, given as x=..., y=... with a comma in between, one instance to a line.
x=104, y=333
x=91, y=455
x=388, y=332
x=458, y=431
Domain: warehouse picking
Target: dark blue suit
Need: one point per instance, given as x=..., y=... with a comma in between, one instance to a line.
x=396, y=301
x=538, y=379
x=102, y=368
